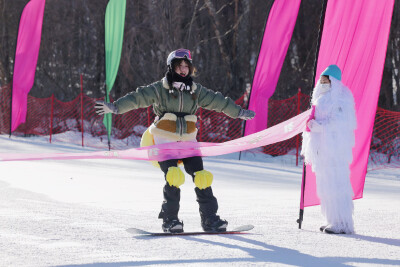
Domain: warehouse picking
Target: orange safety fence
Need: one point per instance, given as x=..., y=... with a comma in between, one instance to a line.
x=55, y=119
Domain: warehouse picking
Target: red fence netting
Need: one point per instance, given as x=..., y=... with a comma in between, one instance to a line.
x=62, y=120
x=385, y=144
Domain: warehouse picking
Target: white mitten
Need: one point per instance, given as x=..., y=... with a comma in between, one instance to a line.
x=314, y=126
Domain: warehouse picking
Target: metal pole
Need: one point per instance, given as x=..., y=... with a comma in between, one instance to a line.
x=107, y=99
x=298, y=136
x=82, y=128
x=11, y=94
x=303, y=185
x=51, y=116
x=321, y=26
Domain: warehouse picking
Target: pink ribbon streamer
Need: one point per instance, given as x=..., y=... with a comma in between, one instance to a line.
x=178, y=150
x=312, y=116
x=355, y=38
x=276, y=40
x=26, y=56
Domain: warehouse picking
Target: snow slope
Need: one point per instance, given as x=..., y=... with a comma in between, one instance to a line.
x=74, y=213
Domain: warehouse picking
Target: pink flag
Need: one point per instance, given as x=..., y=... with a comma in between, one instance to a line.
x=277, y=35
x=26, y=55
x=355, y=38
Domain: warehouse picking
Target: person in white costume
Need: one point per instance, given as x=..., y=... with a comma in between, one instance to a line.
x=327, y=146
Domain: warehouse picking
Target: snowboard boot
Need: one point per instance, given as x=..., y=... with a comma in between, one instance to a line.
x=213, y=224
x=328, y=229
x=172, y=225
x=322, y=228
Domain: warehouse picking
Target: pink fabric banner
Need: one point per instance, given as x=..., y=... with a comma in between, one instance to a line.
x=26, y=56
x=277, y=35
x=355, y=38
x=178, y=150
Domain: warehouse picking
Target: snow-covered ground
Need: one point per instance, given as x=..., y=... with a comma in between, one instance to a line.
x=75, y=213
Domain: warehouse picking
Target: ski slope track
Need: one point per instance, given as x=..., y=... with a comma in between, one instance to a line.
x=76, y=212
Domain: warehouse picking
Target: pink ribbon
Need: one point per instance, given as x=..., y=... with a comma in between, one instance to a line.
x=177, y=150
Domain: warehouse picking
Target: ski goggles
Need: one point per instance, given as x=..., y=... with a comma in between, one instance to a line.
x=183, y=53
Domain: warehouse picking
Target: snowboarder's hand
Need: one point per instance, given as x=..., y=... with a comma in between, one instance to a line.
x=104, y=108
x=246, y=114
x=314, y=126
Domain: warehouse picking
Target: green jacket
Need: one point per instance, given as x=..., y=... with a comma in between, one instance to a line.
x=157, y=94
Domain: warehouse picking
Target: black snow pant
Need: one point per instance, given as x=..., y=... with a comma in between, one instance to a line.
x=208, y=204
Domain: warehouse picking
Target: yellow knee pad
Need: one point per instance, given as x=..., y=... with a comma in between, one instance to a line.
x=175, y=177
x=203, y=179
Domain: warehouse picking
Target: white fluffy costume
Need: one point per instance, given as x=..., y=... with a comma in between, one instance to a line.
x=328, y=147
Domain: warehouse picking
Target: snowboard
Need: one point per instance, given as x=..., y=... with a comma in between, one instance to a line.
x=238, y=230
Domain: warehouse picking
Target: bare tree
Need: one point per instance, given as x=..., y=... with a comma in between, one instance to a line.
x=224, y=37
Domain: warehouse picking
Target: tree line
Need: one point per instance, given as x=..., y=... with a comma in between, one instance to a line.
x=224, y=37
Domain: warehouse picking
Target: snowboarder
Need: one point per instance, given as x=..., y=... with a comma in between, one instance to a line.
x=328, y=147
x=175, y=100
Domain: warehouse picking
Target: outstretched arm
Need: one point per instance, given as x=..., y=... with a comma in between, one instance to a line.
x=141, y=98
x=216, y=101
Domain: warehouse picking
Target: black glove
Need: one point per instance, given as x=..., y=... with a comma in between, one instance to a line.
x=246, y=114
x=104, y=108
